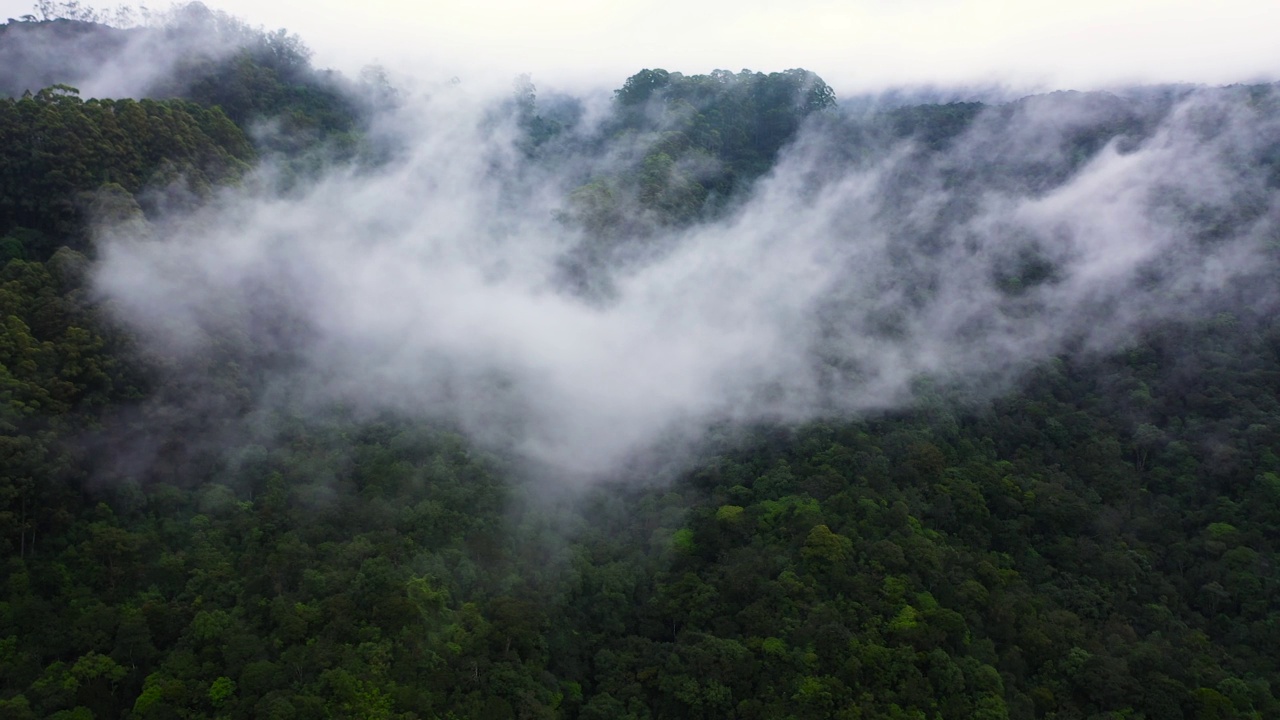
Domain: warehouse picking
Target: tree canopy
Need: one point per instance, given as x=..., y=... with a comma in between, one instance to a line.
x=1098, y=542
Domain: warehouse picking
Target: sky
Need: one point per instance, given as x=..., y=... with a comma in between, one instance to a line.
x=855, y=45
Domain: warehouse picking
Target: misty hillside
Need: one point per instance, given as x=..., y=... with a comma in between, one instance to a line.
x=709, y=397
x=39, y=54
x=189, y=53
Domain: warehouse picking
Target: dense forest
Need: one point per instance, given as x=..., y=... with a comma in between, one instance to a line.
x=1083, y=523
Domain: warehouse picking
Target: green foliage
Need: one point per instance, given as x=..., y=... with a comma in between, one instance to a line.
x=683, y=541
x=57, y=150
x=699, y=140
x=731, y=514
x=826, y=547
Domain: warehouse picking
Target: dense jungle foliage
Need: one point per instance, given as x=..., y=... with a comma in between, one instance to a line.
x=1100, y=542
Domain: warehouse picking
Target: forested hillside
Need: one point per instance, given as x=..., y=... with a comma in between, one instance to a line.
x=992, y=467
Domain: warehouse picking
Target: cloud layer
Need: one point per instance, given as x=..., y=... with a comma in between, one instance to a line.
x=859, y=265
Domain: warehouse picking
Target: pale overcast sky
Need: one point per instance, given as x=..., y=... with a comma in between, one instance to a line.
x=855, y=45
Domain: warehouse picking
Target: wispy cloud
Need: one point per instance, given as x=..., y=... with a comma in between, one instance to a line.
x=430, y=286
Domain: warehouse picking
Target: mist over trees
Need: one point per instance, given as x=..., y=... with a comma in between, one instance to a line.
x=712, y=398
